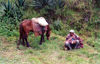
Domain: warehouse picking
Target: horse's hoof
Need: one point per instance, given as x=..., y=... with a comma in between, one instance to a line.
x=23, y=44
x=40, y=43
x=18, y=48
x=28, y=46
x=43, y=41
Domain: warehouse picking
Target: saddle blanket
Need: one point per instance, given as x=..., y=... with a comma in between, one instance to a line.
x=40, y=20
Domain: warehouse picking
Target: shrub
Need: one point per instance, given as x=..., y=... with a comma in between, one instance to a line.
x=50, y=8
x=12, y=11
x=98, y=3
x=12, y=14
x=51, y=4
x=20, y=3
x=59, y=27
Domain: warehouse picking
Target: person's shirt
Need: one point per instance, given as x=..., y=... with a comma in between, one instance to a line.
x=76, y=37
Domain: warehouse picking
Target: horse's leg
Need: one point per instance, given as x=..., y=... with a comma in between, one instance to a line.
x=27, y=43
x=23, y=42
x=42, y=37
x=41, y=40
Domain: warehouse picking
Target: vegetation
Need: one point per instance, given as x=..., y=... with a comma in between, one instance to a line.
x=81, y=15
x=50, y=52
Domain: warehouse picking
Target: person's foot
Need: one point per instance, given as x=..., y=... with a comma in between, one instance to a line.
x=65, y=49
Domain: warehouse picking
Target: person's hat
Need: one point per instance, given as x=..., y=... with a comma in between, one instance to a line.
x=72, y=31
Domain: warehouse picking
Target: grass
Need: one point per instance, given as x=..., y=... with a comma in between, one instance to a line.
x=50, y=52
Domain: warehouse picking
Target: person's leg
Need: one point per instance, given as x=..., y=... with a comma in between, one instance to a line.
x=68, y=45
x=72, y=45
x=77, y=44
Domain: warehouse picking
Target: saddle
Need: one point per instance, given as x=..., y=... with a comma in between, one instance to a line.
x=40, y=20
x=38, y=28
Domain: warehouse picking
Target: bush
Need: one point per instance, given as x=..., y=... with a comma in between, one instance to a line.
x=72, y=14
x=12, y=14
x=49, y=8
x=98, y=3
x=59, y=28
x=50, y=4
x=12, y=11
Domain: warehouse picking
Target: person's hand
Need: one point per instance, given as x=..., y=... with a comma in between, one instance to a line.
x=73, y=36
x=73, y=42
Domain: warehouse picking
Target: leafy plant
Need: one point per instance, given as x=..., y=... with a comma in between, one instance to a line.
x=12, y=14
x=7, y=6
x=50, y=8
x=58, y=25
x=98, y=3
x=20, y=3
x=49, y=4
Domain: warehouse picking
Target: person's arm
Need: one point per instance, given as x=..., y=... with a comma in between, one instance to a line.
x=80, y=39
x=67, y=37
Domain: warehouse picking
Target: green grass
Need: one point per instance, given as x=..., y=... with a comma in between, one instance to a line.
x=50, y=52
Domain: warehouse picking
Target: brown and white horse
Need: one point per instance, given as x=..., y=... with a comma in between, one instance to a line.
x=36, y=27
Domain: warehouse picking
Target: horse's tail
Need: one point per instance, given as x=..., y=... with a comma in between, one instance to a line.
x=21, y=30
x=48, y=32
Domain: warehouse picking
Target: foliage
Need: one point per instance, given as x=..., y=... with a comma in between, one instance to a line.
x=30, y=14
x=58, y=25
x=52, y=4
x=62, y=14
x=20, y=3
x=50, y=52
x=8, y=30
x=11, y=11
x=51, y=8
x=97, y=2
x=59, y=28
x=12, y=14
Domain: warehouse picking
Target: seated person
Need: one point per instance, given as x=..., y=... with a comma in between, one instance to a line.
x=73, y=41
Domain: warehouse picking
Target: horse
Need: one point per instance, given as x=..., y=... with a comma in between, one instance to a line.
x=30, y=25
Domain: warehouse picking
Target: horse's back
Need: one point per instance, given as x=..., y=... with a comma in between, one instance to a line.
x=26, y=22
x=30, y=25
